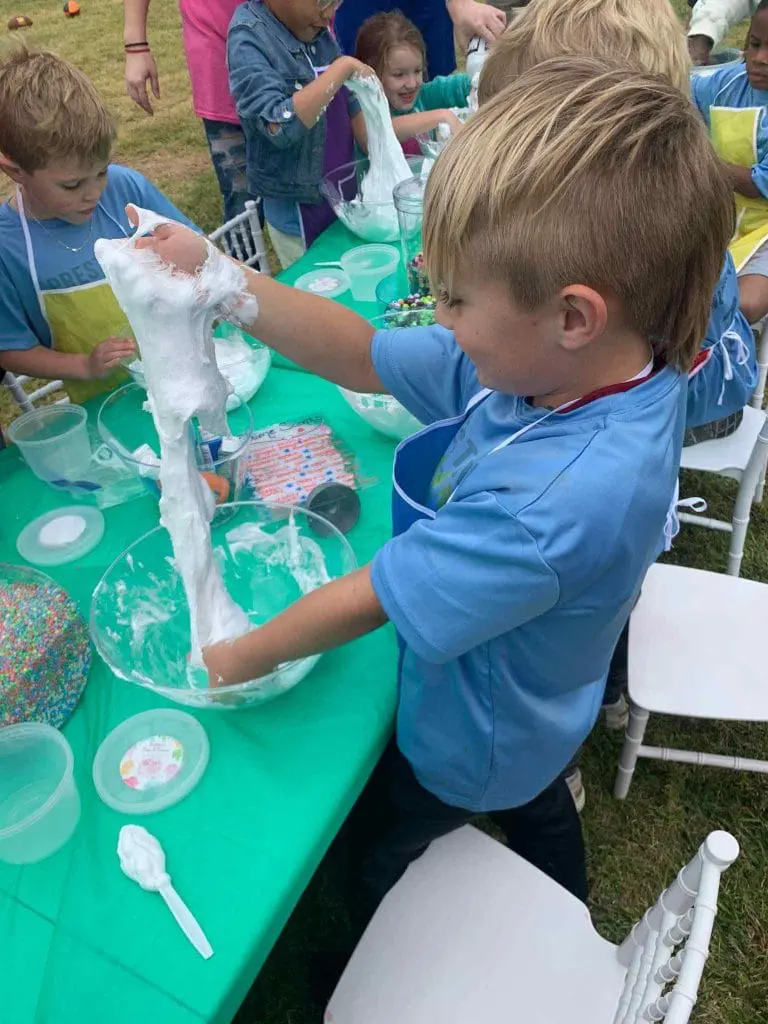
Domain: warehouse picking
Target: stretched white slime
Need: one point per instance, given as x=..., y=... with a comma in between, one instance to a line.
x=172, y=317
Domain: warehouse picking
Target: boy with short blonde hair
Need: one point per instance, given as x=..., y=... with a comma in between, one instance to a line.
x=528, y=511
x=650, y=37
x=646, y=35
x=58, y=316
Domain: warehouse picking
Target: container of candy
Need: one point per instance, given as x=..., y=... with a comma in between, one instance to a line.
x=409, y=203
x=413, y=311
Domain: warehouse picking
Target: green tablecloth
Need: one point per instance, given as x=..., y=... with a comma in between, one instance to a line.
x=81, y=943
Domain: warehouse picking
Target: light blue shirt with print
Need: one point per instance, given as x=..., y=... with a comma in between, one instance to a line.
x=511, y=600
x=22, y=324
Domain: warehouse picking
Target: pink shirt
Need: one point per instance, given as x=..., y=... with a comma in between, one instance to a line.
x=204, y=28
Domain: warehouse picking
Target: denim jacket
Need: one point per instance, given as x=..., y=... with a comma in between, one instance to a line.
x=267, y=65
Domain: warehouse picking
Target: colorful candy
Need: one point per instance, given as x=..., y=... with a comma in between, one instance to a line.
x=412, y=311
x=45, y=651
x=418, y=279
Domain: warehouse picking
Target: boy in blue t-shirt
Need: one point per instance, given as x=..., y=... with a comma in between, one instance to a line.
x=58, y=316
x=573, y=295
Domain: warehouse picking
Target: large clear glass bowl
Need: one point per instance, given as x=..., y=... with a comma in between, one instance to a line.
x=268, y=555
x=244, y=362
x=374, y=222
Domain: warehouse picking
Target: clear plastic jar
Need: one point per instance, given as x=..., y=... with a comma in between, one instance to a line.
x=409, y=203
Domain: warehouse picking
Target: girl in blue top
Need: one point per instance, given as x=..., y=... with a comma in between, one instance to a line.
x=732, y=101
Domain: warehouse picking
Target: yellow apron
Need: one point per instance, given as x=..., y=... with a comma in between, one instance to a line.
x=78, y=318
x=733, y=131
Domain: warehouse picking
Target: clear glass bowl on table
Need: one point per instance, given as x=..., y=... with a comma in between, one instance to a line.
x=373, y=222
x=268, y=555
x=243, y=361
x=383, y=412
x=127, y=428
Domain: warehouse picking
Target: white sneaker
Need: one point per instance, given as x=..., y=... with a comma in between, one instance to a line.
x=617, y=714
x=576, y=786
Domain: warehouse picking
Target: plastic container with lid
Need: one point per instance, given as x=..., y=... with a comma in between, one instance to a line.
x=39, y=802
x=54, y=442
x=366, y=266
x=150, y=761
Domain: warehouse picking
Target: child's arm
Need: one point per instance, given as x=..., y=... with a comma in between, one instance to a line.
x=140, y=68
x=263, y=97
x=311, y=101
x=445, y=91
x=742, y=181
x=360, y=131
x=319, y=334
x=48, y=364
x=325, y=618
x=408, y=125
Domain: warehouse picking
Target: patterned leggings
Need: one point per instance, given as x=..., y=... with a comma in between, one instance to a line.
x=227, y=145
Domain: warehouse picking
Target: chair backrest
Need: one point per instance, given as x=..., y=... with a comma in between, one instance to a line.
x=243, y=239
x=26, y=401
x=666, y=950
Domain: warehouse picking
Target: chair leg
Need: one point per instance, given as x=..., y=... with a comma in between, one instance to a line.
x=638, y=720
x=762, y=367
x=760, y=490
x=736, y=549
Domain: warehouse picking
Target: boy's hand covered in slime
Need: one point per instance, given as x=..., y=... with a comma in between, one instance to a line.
x=180, y=247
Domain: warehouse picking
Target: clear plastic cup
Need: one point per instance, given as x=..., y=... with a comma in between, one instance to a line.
x=39, y=802
x=365, y=266
x=54, y=442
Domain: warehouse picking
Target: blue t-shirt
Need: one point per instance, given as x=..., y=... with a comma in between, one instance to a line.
x=22, y=324
x=511, y=600
x=729, y=87
x=725, y=375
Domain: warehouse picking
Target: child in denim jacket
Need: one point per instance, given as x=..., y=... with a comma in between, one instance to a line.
x=287, y=76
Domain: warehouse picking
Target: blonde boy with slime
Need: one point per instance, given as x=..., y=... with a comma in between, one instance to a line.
x=572, y=300
x=58, y=316
x=647, y=36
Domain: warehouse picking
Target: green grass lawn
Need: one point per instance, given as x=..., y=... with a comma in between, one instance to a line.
x=634, y=847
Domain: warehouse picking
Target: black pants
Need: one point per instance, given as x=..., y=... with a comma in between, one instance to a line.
x=396, y=819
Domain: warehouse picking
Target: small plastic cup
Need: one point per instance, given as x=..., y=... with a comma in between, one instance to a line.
x=54, y=442
x=39, y=802
x=365, y=266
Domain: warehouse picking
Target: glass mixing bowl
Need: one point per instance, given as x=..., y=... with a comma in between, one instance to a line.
x=382, y=412
x=374, y=222
x=127, y=428
x=268, y=555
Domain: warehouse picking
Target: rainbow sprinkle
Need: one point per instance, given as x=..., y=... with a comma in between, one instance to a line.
x=45, y=652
